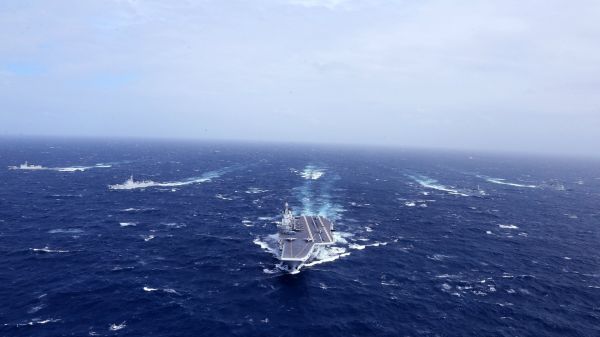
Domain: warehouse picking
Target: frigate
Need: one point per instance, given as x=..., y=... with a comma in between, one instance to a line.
x=300, y=236
x=26, y=166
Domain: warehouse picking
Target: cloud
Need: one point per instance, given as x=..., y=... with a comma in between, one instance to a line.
x=368, y=71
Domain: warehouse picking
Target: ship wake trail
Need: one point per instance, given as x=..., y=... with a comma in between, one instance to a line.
x=431, y=183
x=315, y=193
x=502, y=181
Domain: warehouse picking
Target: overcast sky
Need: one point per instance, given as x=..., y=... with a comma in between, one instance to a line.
x=498, y=75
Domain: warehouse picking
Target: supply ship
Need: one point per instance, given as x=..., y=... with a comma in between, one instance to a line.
x=299, y=236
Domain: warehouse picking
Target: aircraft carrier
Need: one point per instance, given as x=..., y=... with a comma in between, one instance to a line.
x=299, y=236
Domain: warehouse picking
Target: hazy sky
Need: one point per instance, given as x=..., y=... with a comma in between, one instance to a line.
x=500, y=75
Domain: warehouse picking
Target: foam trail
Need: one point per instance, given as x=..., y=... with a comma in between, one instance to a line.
x=80, y=168
x=315, y=197
x=501, y=181
x=433, y=184
x=131, y=184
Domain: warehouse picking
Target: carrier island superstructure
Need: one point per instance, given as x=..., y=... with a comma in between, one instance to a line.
x=300, y=236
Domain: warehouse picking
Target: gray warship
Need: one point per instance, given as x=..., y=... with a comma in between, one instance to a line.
x=299, y=236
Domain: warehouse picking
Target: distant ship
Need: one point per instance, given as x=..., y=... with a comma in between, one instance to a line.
x=299, y=236
x=26, y=166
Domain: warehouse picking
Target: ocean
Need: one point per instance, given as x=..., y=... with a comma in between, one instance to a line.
x=175, y=238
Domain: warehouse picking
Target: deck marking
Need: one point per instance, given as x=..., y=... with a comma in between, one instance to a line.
x=308, y=227
x=326, y=231
x=315, y=224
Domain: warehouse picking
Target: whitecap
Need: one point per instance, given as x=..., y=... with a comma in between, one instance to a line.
x=175, y=225
x=148, y=237
x=39, y=321
x=255, y=190
x=65, y=231
x=35, y=309
x=127, y=224
x=48, y=250
x=508, y=226
x=438, y=257
x=410, y=204
x=448, y=276
x=116, y=327
x=222, y=197
x=148, y=289
x=135, y=210
x=377, y=244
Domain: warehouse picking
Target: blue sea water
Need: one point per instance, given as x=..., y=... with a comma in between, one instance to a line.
x=428, y=243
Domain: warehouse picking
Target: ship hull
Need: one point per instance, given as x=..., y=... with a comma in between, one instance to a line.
x=292, y=266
